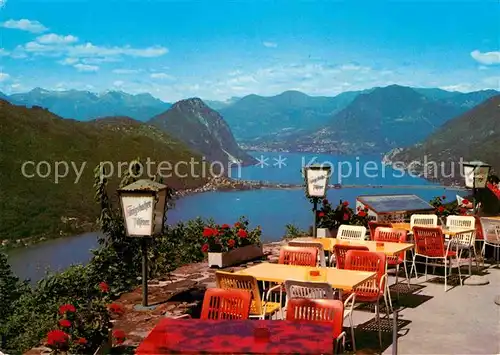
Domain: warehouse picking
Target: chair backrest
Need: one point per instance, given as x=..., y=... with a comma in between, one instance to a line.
x=360, y=260
x=226, y=304
x=374, y=224
x=491, y=230
x=385, y=234
x=347, y=232
x=303, y=289
x=462, y=222
x=320, y=311
x=340, y=252
x=429, y=241
x=317, y=245
x=423, y=220
x=230, y=281
x=298, y=256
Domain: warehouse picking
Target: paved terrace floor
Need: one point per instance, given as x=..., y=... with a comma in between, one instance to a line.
x=464, y=320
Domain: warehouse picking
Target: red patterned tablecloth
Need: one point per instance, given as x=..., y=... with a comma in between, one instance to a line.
x=196, y=336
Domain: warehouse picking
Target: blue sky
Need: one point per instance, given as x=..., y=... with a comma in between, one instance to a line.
x=219, y=49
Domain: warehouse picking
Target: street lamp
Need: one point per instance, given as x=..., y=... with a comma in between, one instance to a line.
x=143, y=205
x=316, y=177
x=476, y=176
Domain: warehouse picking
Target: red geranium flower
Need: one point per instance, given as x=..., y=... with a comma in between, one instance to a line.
x=237, y=224
x=465, y=202
x=208, y=232
x=321, y=214
x=345, y=203
x=119, y=336
x=225, y=226
x=362, y=213
x=440, y=209
x=104, y=287
x=67, y=308
x=463, y=211
x=346, y=216
x=82, y=341
x=204, y=248
x=65, y=323
x=242, y=233
x=116, y=308
x=57, y=338
x=231, y=243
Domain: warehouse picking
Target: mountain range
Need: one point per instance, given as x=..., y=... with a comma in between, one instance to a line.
x=475, y=135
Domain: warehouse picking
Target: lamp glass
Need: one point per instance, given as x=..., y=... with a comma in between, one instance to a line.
x=159, y=212
x=476, y=174
x=138, y=211
x=317, y=180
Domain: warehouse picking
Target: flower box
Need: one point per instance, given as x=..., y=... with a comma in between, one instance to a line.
x=235, y=256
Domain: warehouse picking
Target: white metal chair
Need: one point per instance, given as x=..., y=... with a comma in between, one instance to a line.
x=491, y=235
x=464, y=241
x=317, y=245
x=321, y=290
x=347, y=232
x=423, y=220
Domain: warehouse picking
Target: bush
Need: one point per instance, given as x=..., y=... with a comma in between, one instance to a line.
x=333, y=218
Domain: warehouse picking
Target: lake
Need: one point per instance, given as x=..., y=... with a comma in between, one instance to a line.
x=272, y=209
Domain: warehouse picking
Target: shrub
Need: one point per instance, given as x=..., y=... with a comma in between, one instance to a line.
x=333, y=218
x=225, y=237
x=443, y=209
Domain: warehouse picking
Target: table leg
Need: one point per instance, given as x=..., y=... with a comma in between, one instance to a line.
x=395, y=332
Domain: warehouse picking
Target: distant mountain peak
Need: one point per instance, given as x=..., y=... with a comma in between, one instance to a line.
x=193, y=102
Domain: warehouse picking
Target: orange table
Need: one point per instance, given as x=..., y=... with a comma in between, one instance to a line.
x=388, y=248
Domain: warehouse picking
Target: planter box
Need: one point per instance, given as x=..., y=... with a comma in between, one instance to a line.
x=235, y=256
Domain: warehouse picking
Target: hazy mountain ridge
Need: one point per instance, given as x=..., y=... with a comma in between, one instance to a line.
x=203, y=130
x=474, y=135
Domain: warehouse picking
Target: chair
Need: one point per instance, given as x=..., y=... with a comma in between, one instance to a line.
x=224, y=304
x=372, y=225
x=423, y=220
x=464, y=241
x=321, y=311
x=339, y=251
x=258, y=308
x=320, y=290
x=317, y=245
x=384, y=234
x=347, y=232
x=372, y=290
x=429, y=243
x=491, y=235
x=299, y=256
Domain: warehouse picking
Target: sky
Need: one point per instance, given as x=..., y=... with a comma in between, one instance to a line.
x=218, y=49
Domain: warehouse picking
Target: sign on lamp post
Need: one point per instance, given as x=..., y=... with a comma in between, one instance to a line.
x=143, y=205
x=316, y=179
x=476, y=177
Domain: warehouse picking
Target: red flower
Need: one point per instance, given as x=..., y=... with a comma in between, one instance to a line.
x=231, y=243
x=208, y=232
x=237, y=224
x=119, y=336
x=57, y=337
x=325, y=201
x=463, y=211
x=362, y=213
x=242, y=233
x=345, y=203
x=104, y=287
x=346, y=216
x=67, y=308
x=116, y=308
x=225, y=226
x=443, y=197
x=82, y=341
x=321, y=214
x=465, y=202
x=65, y=323
x=440, y=209
x=204, y=248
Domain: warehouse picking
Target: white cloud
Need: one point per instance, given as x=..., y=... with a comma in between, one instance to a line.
x=486, y=58
x=163, y=76
x=90, y=50
x=2, y=3
x=86, y=67
x=118, y=83
x=3, y=52
x=462, y=87
x=25, y=25
x=4, y=76
x=53, y=38
x=126, y=71
x=68, y=61
x=269, y=44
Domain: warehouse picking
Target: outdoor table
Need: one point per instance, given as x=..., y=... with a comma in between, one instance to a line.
x=388, y=248
x=448, y=231
x=278, y=273
x=197, y=336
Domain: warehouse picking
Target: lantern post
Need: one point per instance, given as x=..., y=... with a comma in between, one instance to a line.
x=316, y=179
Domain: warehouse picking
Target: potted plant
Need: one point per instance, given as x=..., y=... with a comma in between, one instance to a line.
x=444, y=210
x=231, y=244
x=331, y=218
